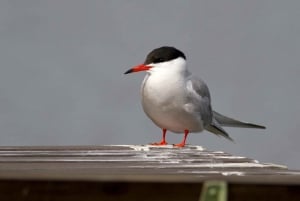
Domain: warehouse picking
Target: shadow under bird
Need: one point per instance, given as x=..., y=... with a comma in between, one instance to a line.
x=176, y=100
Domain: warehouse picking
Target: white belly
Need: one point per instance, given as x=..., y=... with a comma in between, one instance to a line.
x=165, y=104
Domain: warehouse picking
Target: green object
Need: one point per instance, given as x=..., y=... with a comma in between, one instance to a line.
x=214, y=191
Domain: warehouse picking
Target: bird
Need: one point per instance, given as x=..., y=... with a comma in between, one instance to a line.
x=176, y=100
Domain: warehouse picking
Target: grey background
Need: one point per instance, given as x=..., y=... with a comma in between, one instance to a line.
x=62, y=65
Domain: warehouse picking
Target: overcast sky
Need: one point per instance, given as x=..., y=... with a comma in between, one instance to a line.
x=62, y=65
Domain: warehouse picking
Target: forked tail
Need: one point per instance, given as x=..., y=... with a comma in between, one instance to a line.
x=220, y=120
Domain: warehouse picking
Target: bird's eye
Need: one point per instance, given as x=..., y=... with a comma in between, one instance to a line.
x=157, y=60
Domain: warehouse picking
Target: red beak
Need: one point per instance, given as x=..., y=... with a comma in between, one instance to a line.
x=141, y=67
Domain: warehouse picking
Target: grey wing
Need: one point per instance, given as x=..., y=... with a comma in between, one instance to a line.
x=199, y=96
x=204, y=105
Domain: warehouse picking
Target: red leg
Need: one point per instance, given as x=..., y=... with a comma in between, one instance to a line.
x=182, y=144
x=163, y=141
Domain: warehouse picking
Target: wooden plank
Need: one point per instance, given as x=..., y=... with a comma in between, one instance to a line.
x=129, y=162
x=130, y=172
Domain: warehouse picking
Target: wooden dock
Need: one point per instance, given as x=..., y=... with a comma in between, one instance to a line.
x=137, y=172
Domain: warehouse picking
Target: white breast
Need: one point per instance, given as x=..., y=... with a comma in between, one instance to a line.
x=164, y=98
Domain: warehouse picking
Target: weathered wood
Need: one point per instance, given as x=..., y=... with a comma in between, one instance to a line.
x=129, y=161
x=128, y=172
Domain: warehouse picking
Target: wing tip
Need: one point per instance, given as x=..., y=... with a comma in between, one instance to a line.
x=219, y=131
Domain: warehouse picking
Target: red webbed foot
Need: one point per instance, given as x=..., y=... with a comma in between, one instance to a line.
x=182, y=144
x=163, y=141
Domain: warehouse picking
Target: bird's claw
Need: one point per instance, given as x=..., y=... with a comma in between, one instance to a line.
x=159, y=143
x=180, y=145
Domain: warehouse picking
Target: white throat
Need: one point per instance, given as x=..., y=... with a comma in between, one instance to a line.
x=175, y=66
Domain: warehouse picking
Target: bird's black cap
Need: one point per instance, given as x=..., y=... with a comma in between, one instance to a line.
x=163, y=54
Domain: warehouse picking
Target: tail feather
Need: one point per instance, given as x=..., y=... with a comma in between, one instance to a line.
x=220, y=120
x=230, y=122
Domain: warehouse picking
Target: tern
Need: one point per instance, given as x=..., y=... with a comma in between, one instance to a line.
x=176, y=100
